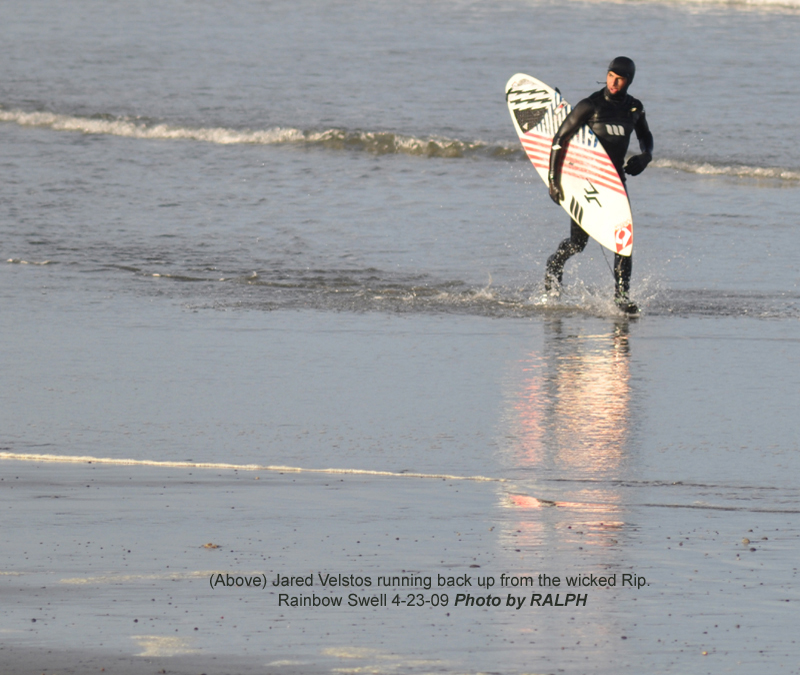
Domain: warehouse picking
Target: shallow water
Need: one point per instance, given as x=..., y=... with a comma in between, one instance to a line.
x=263, y=235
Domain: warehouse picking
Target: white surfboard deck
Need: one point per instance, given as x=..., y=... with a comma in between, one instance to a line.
x=594, y=195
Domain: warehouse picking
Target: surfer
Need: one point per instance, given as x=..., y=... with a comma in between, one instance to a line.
x=613, y=115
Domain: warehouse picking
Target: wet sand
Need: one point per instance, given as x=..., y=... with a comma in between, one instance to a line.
x=16, y=659
x=469, y=449
x=110, y=567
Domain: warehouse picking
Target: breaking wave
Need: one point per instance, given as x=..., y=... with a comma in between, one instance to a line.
x=377, y=142
x=737, y=170
x=374, y=142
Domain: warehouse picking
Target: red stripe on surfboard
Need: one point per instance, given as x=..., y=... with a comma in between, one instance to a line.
x=591, y=164
x=573, y=168
x=582, y=171
x=578, y=163
x=596, y=179
x=596, y=155
x=598, y=182
x=548, y=142
x=577, y=156
x=538, y=155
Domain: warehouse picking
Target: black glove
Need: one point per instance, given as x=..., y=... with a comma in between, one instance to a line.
x=556, y=193
x=638, y=163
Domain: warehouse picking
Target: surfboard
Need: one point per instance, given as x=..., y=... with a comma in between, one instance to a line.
x=594, y=194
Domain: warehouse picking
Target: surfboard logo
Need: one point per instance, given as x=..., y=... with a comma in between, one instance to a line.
x=591, y=193
x=576, y=211
x=594, y=194
x=623, y=235
x=520, y=97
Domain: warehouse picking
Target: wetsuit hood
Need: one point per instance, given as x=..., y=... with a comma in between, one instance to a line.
x=625, y=67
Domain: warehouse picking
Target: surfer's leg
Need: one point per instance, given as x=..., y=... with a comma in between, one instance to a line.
x=575, y=243
x=623, y=266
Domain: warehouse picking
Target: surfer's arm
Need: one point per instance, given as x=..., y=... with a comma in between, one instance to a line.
x=575, y=120
x=638, y=163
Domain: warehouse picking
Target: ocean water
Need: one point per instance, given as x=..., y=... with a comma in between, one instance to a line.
x=304, y=234
x=359, y=155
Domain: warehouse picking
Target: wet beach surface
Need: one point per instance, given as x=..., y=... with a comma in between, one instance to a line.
x=271, y=304
x=538, y=448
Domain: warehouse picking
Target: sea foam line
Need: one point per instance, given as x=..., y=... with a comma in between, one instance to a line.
x=739, y=170
x=375, y=142
x=136, y=129
x=85, y=459
x=371, y=141
x=727, y=4
x=127, y=578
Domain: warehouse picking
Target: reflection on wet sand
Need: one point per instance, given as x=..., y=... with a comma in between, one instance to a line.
x=571, y=412
x=569, y=423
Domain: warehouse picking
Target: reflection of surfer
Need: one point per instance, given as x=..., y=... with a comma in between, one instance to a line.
x=613, y=115
x=571, y=421
x=572, y=408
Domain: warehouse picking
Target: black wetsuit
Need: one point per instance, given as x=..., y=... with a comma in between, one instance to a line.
x=613, y=119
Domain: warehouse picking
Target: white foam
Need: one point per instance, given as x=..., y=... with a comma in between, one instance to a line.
x=17, y=261
x=134, y=578
x=137, y=129
x=376, y=142
x=84, y=459
x=744, y=4
x=159, y=645
x=738, y=170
